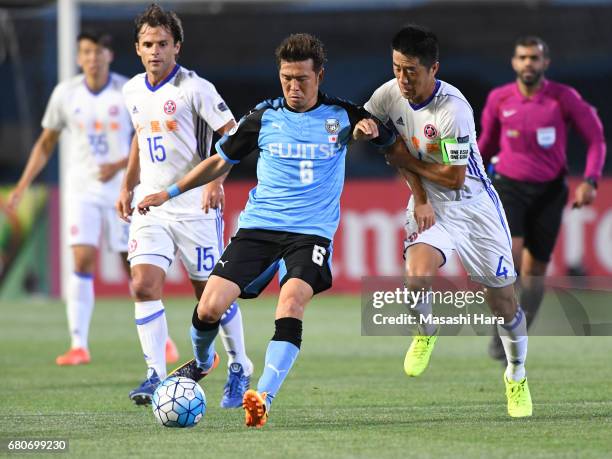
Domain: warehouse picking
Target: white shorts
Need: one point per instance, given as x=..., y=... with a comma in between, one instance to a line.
x=156, y=241
x=87, y=221
x=477, y=231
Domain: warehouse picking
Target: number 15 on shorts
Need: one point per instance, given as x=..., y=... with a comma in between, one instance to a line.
x=206, y=258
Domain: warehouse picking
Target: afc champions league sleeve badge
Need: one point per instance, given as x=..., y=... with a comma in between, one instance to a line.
x=169, y=107
x=332, y=126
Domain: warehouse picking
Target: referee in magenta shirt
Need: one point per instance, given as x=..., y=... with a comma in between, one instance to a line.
x=525, y=123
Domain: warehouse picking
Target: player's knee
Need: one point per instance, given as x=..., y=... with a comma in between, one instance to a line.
x=84, y=265
x=291, y=306
x=211, y=307
x=203, y=318
x=145, y=289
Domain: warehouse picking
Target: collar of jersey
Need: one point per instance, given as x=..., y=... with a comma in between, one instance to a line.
x=535, y=97
x=164, y=81
x=429, y=99
x=320, y=97
x=95, y=93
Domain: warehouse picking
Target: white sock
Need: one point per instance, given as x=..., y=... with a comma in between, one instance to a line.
x=79, y=307
x=514, y=339
x=232, y=336
x=421, y=310
x=153, y=333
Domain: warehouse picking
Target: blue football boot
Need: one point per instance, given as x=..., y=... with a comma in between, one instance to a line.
x=235, y=387
x=142, y=394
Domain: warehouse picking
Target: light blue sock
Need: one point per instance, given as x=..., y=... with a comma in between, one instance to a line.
x=203, y=342
x=280, y=356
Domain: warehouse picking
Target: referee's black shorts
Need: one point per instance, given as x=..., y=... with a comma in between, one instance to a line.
x=253, y=257
x=534, y=212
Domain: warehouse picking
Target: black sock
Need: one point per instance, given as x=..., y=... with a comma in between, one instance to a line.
x=203, y=326
x=288, y=329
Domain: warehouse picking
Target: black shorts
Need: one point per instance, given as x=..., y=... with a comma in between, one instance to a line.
x=534, y=212
x=253, y=256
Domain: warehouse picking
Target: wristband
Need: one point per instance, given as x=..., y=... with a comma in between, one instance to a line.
x=173, y=190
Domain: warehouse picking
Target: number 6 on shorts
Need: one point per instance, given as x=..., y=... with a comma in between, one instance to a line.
x=318, y=255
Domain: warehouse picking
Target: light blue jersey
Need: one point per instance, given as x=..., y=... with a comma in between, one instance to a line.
x=300, y=172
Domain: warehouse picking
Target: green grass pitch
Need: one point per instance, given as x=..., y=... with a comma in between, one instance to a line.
x=347, y=395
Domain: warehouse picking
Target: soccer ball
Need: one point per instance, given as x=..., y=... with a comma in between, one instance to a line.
x=179, y=402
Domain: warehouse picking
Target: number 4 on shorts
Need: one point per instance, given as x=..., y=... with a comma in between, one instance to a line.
x=318, y=255
x=501, y=271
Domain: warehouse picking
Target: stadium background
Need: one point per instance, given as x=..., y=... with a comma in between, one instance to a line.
x=232, y=43
x=347, y=395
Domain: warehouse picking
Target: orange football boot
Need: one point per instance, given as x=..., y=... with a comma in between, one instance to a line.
x=75, y=356
x=255, y=411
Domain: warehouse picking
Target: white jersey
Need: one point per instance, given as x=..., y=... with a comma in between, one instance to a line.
x=99, y=132
x=174, y=121
x=440, y=130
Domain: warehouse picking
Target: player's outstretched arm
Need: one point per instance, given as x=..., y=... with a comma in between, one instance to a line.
x=130, y=180
x=203, y=173
x=39, y=156
x=449, y=176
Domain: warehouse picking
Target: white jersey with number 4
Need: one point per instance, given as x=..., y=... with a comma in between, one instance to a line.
x=439, y=130
x=174, y=121
x=99, y=132
x=471, y=220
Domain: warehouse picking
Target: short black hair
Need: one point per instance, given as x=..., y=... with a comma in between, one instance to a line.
x=99, y=38
x=301, y=47
x=417, y=41
x=156, y=16
x=532, y=40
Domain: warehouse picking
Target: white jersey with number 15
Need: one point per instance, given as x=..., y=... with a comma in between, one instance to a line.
x=174, y=122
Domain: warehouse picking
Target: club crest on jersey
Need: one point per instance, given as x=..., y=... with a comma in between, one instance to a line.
x=113, y=110
x=332, y=125
x=430, y=131
x=169, y=107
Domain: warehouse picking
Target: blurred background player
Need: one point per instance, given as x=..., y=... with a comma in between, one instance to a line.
x=90, y=107
x=438, y=143
x=174, y=113
x=525, y=123
x=290, y=219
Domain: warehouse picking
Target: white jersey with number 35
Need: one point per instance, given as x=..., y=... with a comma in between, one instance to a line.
x=174, y=122
x=99, y=132
x=439, y=130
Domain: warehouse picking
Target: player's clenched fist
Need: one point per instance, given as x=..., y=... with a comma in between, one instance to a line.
x=365, y=129
x=152, y=200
